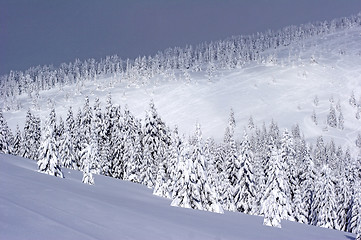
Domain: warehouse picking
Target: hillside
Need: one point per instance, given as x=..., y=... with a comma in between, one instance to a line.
x=35, y=205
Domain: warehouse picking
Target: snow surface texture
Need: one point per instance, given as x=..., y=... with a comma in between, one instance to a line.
x=38, y=206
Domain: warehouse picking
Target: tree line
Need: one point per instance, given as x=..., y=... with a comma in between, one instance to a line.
x=230, y=53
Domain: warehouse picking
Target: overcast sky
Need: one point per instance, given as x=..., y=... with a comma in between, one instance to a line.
x=34, y=32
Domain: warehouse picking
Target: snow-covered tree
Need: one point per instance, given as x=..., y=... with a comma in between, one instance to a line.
x=5, y=136
x=244, y=189
x=352, y=99
x=331, y=117
x=324, y=204
x=66, y=148
x=48, y=158
x=167, y=173
x=192, y=189
x=17, y=142
x=87, y=160
x=276, y=203
x=358, y=140
x=156, y=142
x=314, y=117
x=31, y=137
x=341, y=121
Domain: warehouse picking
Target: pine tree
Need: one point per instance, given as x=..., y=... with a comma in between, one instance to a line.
x=116, y=168
x=343, y=199
x=358, y=140
x=275, y=201
x=155, y=143
x=32, y=137
x=314, y=117
x=165, y=180
x=245, y=192
x=352, y=100
x=17, y=142
x=5, y=136
x=341, y=121
x=308, y=176
x=354, y=209
x=87, y=155
x=48, y=152
x=192, y=189
x=324, y=204
x=331, y=117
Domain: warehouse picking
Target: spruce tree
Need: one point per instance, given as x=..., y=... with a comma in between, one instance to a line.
x=244, y=190
x=275, y=202
x=48, y=158
x=324, y=204
x=332, y=118
x=192, y=189
x=17, y=142
x=5, y=136
x=155, y=144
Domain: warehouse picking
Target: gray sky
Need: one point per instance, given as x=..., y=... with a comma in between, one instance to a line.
x=38, y=32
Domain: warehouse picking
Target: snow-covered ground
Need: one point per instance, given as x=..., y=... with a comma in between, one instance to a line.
x=283, y=89
x=38, y=206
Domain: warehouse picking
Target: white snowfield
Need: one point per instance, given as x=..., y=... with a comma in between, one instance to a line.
x=38, y=206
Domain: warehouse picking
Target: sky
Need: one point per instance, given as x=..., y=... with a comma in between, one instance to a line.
x=38, y=32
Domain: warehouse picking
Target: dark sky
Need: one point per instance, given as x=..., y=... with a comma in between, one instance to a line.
x=34, y=32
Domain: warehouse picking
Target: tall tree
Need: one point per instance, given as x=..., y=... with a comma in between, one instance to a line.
x=5, y=136
x=48, y=160
x=245, y=192
x=276, y=204
x=192, y=189
x=324, y=204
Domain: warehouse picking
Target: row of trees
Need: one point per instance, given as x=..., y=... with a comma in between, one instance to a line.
x=270, y=173
x=225, y=54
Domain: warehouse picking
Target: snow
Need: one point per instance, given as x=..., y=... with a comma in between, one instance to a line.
x=38, y=206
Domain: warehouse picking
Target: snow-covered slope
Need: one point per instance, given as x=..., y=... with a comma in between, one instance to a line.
x=38, y=206
x=282, y=88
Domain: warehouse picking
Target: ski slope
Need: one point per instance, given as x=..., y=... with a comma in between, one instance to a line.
x=281, y=88
x=38, y=206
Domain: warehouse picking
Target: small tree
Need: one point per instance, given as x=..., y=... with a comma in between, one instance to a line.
x=331, y=117
x=87, y=161
x=352, y=100
x=314, y=117
x=341, y=121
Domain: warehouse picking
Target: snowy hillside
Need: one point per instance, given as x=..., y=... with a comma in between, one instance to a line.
x=265, y=125
x=38, y=206
x=281, y=87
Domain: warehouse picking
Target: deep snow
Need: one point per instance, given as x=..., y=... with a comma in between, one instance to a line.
x=38, y=206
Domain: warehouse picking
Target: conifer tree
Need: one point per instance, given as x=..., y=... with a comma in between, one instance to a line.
x=192, y=189
x=87, y=154
x=332, y=118
x=245, y=192
x=155, y=143
x=32, y=137
x=17, y=142
x=352, y=100
x=275, y=201
x=324, y=204
x=308, y=176
x=48, y=160
x=5, y=136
